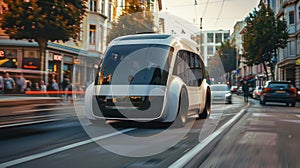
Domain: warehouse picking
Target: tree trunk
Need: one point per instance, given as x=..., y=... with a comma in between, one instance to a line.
x=272, y=72
x=266, y=70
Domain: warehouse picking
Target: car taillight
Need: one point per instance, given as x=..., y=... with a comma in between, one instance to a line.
x=267, y=90
x=293, y=90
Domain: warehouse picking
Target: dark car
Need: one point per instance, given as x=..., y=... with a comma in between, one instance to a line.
x=279, y=91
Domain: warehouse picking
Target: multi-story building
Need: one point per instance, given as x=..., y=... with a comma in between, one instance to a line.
x=210, y=41
x=288, y=67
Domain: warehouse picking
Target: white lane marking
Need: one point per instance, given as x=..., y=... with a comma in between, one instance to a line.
x=28, y=123
x=57, y=150
x=181, y=162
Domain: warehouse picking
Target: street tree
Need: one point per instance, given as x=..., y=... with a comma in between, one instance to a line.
x=136, y=18
x=227, y=53
x=264, y=34
x=43, y=21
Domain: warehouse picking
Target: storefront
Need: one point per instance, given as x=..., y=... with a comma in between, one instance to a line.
x=20, y=56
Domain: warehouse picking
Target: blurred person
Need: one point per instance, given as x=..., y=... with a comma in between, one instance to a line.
x=9, y=84
x=21, y=83
x=245, y=90
x=70, y=89
x=43, y=87
x=64, y=86
x=29, y=85
x=35, y=86
x=54, y=85
x=1, y=84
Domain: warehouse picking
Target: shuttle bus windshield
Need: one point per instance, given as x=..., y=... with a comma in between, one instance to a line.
x=142, y=64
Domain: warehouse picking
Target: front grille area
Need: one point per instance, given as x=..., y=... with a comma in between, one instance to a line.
x=131, y=107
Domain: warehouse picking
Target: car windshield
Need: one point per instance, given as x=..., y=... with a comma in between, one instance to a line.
x=142, y=64
x=219, y=88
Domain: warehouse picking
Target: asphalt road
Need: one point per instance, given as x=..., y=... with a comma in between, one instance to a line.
x=67, y=143
x=266, y=136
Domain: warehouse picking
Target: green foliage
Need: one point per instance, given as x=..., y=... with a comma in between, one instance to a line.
x=43, y=20
x=263, y=36
x=135, y=19
x=227, y=53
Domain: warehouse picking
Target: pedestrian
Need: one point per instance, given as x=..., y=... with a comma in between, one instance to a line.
x=1, y=84
x=43, y=87
x=246, y=91
x=21, y=83
x=64, y=86
x=54, y=85
x=9, y=84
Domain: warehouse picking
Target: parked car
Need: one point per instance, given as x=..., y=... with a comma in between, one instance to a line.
x=279, y=91
x=233, y=89
x=134, y=83
x=221, y=93
x=257, y=92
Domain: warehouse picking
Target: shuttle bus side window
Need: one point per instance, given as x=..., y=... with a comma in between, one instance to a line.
x=198, y=70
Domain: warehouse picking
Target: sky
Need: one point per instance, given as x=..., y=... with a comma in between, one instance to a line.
x=216, y=14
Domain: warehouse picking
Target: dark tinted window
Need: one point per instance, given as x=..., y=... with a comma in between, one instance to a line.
x=135, y=64
x=189, y=67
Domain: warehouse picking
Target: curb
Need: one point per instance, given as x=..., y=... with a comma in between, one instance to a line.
x=200, y=152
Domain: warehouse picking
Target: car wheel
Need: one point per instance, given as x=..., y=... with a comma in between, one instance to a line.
x=182, y=109
x=293, y=103
x=263, y=101
x=206, y=112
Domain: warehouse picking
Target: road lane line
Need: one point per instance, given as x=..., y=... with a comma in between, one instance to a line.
x=186, y=158
x=28, y=123
x=64, y=148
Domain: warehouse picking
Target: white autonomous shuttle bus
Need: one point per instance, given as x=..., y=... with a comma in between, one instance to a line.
x=149, y=77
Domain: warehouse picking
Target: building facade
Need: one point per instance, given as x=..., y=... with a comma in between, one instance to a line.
x=78, y=61
x=288, y=67
x=211, y=41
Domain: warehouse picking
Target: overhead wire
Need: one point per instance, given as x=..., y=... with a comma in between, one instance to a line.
x=220, y=12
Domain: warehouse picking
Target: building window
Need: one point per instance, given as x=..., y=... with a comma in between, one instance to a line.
x=102, y=10
x=298, y=44
x=210, y=37
x=93, y=5
x=299, y=12
x=93, y=34
x=218, y=38
x=80, y=35
x=210, y=50
x=110, y=14
x=226, y=35
x=292, y=48
x=291, y=17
